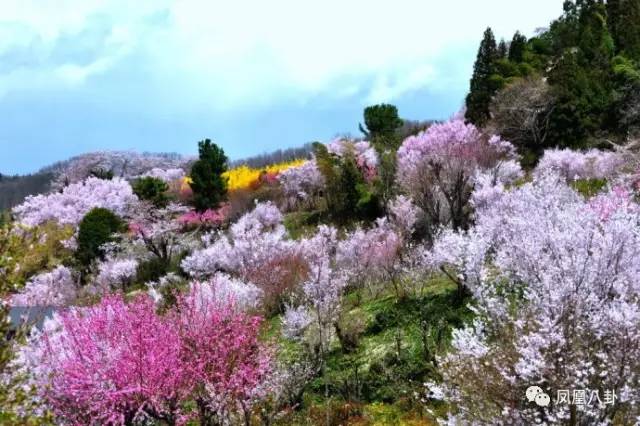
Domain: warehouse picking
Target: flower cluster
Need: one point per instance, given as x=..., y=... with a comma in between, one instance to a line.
x=365, y=155
x=572, y=165
x=209, y=218
x=302, y=184
x=55, y=288
x=555, y=284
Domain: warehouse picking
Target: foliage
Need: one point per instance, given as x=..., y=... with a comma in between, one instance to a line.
x=517, y=47
x=24, y=252
x=381, y=122
x=345, y=172
x=208, y=183
x=151, y=189
x=96, y=229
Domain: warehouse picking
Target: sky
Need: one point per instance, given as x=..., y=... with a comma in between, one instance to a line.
x=254, y=76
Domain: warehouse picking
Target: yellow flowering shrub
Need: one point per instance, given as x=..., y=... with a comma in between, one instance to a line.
x=243, y=177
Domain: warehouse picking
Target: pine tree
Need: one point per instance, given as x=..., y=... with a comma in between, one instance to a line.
x=381, y=121
x=483, y=86
x=517, y=47
x=208, y=185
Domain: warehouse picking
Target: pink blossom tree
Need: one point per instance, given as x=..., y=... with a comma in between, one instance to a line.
x=223, y=360
x=436, y=168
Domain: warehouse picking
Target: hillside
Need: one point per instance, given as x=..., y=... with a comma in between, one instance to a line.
x=482, y=270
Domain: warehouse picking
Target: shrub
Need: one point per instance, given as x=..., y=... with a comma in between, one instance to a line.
x=152, y=189
x=95, y=230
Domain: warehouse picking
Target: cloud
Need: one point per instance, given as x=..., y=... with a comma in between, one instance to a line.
x=251, y=54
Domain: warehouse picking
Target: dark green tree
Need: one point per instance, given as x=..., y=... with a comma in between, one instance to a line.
x=517, y=47
x=623, y=18
x=102, y=174
x=381, y=121
x=503, y=49
x=208, y=183
x=96, y=229
x=347, y=194
x=483, y=81
x=152, y=189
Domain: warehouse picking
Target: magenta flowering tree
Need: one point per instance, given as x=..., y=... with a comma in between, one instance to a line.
x=75, y=201
x=223, y=360
x=113, y=363
x=123, y=363
x=436, y=168
x=207, y=219
x=555, y=283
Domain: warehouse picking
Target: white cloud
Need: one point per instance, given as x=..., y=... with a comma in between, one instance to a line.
x=239, y=53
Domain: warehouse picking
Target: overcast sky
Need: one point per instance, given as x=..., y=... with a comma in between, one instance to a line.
x=159, y=75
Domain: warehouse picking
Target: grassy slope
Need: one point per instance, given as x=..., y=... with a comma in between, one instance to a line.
x=379, y=381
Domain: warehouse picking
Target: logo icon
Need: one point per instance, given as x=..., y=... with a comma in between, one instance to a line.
x=537, y=395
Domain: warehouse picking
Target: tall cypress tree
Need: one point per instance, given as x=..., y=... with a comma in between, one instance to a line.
x=482, y=85
x=503, y=50
x=517, y=47
x=623, y=19
x=208, y=185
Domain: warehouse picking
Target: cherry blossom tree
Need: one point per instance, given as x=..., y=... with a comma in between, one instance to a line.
x=158, y=232
x=572, y=165
x=116, y=273
x=256, y=250
x=436, y=168
x=75, y=201
x=554, y=280
x=55, y=288
x=302, y=185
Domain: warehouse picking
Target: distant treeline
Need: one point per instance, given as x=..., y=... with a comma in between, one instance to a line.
x=14, y=189
x=281, y=155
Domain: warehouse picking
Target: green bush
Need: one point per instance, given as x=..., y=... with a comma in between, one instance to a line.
x=152, y=189
x=96, y=229
x=589, y=187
